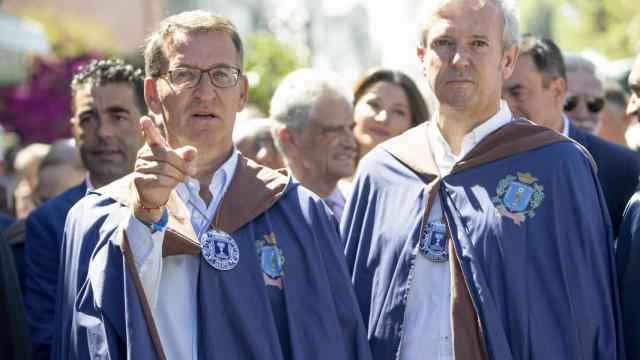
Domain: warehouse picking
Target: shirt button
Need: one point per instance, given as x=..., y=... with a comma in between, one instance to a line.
x=192, y=184
x=196, y=215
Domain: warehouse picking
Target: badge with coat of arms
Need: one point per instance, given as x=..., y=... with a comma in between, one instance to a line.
x=271, y=259
x=517, y=197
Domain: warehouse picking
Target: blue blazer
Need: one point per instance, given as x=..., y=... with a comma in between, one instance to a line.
x=43, y=238
x=618, y=170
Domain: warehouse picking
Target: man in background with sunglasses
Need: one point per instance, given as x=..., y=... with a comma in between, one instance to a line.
x=537, y=91
x=584, y=98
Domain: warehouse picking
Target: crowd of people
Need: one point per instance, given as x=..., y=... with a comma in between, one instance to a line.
x=348, y=223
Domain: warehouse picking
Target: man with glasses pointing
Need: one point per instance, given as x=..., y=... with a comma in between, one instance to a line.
x=537, y=90
x=202, y=253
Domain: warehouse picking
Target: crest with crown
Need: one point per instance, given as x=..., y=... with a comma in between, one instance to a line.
x=518, y=196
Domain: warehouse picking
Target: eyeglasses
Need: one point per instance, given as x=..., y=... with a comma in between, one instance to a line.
x=594, y=103
x=187, y=77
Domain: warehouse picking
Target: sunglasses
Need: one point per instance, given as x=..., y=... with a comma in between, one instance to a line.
x=594, y=103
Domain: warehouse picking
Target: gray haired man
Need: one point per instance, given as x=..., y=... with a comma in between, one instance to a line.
x=313, y=129
x=478, y=235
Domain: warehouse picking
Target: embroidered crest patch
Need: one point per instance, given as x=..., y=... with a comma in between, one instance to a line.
x=517, y=197
x=271, y=260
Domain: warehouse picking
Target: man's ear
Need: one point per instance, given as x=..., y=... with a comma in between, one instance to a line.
x=287, y=139
x=151, y=96
x=559, y=88
x=420, y=53
x=244, y=92
x=509, y=59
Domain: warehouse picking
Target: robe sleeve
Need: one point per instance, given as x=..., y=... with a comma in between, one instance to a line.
x=628, y=263
x=352, y=326
x=146, y=249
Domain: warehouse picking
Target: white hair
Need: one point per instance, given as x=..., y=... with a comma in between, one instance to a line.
x=508, y=9
x=294, y=101
x=30, y=153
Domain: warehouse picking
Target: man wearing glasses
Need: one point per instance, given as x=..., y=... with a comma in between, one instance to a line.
x=202, y=253
x=537, y=90
x=584, y=99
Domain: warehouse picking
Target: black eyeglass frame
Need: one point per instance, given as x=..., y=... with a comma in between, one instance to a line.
x=237, y=73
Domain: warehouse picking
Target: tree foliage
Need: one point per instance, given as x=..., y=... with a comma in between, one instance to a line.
x=612, y=27
x=70, y=36
x=267, y=62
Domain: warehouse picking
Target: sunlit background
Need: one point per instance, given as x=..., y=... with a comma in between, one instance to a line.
x=42, y=38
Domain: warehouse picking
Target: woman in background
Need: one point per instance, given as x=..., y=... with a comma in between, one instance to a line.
x=386, y=104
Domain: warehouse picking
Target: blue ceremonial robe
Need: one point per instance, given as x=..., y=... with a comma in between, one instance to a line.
x=308, y=312
x=528, y=232
x=628, y=262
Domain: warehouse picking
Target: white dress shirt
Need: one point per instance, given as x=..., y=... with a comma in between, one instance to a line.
x=427, y=318
x=565, y=125
x=87, y=181
x=170, y=284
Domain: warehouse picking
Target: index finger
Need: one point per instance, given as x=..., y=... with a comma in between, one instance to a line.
x=151, y=133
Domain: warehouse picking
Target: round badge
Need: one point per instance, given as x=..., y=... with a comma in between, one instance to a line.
x=433, y=244
x=220, y=250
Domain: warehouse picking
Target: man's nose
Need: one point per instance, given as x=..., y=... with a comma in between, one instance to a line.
x=460, y=56
x=106, y=128
x=205, y=88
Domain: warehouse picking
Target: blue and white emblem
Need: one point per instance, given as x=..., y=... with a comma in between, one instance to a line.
x=220, y=250
x=433, y=243
x=271, y=259
x=517, y=197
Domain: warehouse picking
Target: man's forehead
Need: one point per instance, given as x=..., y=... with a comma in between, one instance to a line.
x=333, y=110
x=471, y=18
x=202, y=49
x=89, y=95
x=583, y=82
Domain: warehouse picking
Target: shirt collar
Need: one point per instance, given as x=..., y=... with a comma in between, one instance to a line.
x=565, y=125
x=335, y=196
x=87, y=181
x=227, y=170
x=442, y=150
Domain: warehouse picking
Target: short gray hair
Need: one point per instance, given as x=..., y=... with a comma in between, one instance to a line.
x=508, y=9
x=577, y=62
x=185, y=23
x=30, y=153
x=294, y=101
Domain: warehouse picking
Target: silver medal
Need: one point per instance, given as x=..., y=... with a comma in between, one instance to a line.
x=433, y=242
x=220, y=250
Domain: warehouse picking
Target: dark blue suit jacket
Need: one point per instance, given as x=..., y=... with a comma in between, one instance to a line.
x=618, y=170
x=6, y=221
x=43, y=238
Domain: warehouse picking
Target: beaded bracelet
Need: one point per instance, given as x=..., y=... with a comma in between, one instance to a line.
x=149, y=209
